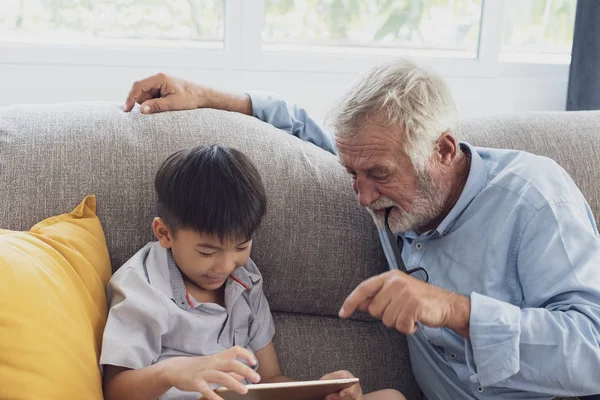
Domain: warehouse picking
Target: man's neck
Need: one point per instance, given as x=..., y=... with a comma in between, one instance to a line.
x=462, y=167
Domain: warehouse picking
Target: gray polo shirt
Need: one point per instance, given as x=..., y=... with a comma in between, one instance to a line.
x=152, y=317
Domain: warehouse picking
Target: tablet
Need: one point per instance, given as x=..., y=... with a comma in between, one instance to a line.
x=303, y=390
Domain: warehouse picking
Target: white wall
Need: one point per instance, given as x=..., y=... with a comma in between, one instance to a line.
x=514, y=88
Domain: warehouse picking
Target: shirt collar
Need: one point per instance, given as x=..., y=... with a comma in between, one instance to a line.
x=164, y=275
x=476, y=182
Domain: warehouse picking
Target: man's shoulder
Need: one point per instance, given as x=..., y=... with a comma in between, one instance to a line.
x=535, y=181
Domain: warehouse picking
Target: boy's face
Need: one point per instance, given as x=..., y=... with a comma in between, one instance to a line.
x=203, y=259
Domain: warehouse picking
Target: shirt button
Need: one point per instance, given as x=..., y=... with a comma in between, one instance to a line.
x=452, y=356
x=419, y=246
x=480, y=389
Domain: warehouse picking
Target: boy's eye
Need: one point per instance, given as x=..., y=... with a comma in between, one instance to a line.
x=205, y=254
x=242, y=248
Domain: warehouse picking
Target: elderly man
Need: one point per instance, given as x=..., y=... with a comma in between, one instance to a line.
x=494, y=254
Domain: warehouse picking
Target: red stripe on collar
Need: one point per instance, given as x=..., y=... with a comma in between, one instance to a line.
x=238, y=281
x=187, y=297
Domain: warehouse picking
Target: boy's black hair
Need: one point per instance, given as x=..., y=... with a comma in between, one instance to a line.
x=213, y=190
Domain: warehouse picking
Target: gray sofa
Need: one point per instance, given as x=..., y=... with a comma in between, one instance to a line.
x=315, y=244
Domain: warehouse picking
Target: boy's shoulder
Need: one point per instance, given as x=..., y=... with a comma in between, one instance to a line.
x=143, y=274
x=136, y=263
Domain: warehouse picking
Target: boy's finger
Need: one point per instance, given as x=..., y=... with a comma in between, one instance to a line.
x=236, y=376
x=206, y=392
x=341, y=374
x=225, y=380
x=239, y=368
x=351, y=392
x=240, y=352
x=332, y=375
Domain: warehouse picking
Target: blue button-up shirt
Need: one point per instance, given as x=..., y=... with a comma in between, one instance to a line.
x=522, y=243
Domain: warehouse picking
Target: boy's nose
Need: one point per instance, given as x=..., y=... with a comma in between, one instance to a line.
x=227, y=266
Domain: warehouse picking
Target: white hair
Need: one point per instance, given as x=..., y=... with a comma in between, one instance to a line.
x=400, y=94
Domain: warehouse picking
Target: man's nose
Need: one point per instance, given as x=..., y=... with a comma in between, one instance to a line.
x=366, y=191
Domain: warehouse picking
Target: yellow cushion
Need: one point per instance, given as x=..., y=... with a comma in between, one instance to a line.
x=53, y=308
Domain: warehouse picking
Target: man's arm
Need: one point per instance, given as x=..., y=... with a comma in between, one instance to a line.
x=550, y=345
x=161, y=92
x=290, y=118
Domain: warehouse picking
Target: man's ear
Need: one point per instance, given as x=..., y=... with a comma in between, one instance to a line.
x=162, y=232
x=446, y=148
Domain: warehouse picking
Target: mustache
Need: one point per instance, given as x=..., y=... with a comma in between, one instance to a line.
x=382, y=203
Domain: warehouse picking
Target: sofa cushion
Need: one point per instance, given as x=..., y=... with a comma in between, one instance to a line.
x=52, y=280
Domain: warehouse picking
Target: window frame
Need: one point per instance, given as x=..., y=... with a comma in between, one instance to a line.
x=243, y=51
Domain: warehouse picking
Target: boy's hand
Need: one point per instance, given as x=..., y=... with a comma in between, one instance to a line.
x=354, y=392
x=195, y=374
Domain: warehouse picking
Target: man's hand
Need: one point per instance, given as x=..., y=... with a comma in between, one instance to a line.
x=354, y=392
x=161, y=92
x=195, y=374
x=400, y=301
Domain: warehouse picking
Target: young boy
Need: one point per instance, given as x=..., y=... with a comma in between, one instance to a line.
x=187, y=313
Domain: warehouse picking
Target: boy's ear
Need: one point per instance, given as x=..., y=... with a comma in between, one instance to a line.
x=162, y=232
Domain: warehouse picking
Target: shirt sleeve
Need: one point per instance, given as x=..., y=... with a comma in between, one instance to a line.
x=262, y=327
x=550, y=344
x=290, y=118
x=137, y=319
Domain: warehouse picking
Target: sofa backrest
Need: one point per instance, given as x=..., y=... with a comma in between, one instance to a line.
x=315, y=243
x=570, y=138
x=313, y=247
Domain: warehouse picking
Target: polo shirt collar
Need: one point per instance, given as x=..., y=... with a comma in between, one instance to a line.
x=165, y=276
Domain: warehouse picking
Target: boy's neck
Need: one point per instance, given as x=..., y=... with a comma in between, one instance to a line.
x=205, y=296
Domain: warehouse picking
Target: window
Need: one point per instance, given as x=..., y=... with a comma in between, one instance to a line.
x=447, y=26
x=114, y=22
x=538, y=30
x=459, y=37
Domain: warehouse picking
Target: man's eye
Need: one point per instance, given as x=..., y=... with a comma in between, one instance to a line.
x=352, y=174
x=381, y=178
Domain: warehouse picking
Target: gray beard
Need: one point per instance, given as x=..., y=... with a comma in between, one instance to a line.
x=427, y=205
